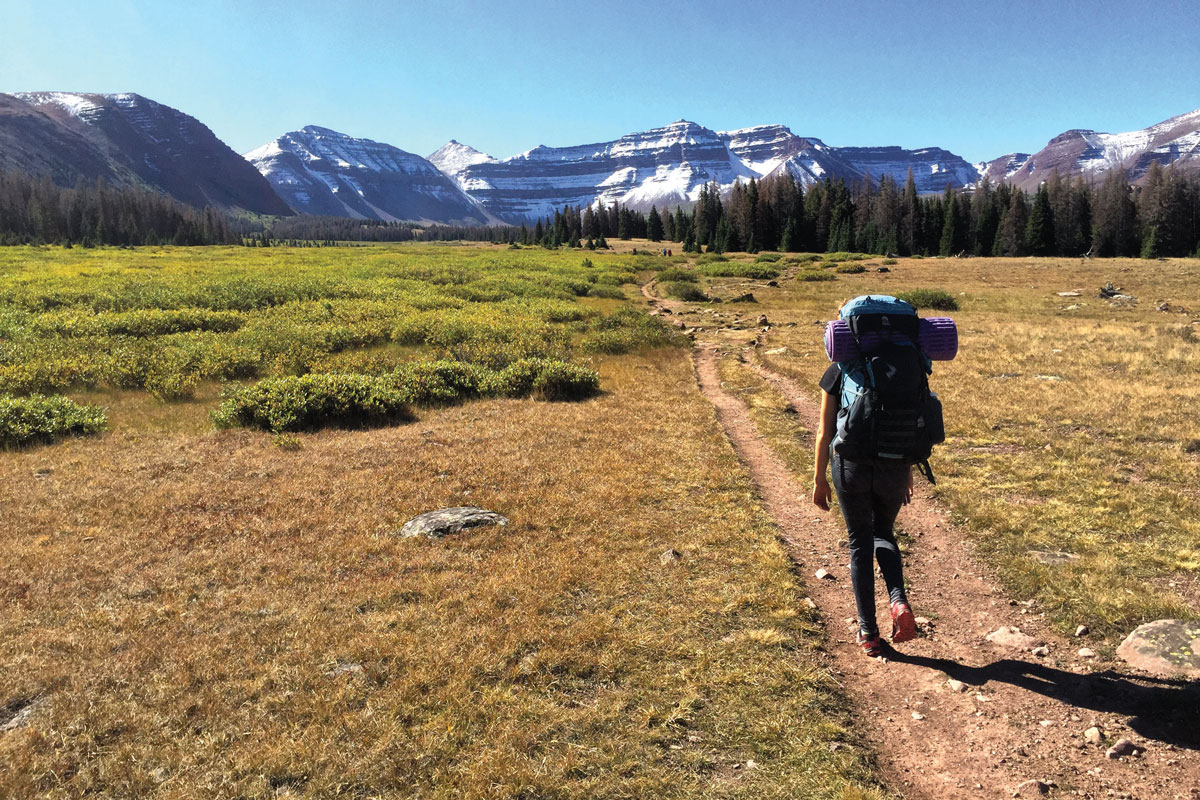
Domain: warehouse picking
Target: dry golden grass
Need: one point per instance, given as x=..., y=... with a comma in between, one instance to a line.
x=207, y=614
x=1071, y=430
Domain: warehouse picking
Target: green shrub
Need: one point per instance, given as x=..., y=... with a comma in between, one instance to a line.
x=842, y=255
x=935, y=299
x=38, y=418
x=887, y=262
x=768, y=258
x=689, y=292
x=712, y=258
x=850, y=269
x=806, y=258
x=627, y=330
x=605, y=291
x=737, y=269
x=813, y=276
x=171, y=386
x=308, y=402
x=678, y=274
x=546, y=379
x=443, y=382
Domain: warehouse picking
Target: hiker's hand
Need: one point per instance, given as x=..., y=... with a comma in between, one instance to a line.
x=821, y=494
x=908, y=492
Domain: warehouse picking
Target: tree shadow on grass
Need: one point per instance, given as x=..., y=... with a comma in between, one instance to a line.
x=1158, y=708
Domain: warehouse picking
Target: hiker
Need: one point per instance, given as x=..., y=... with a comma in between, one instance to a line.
x=871, y=488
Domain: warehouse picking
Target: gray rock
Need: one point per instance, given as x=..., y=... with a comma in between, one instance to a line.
x=670, y=556
x=1123, y=747
x=1009, y=636
x=1082, y=630
x=1041, y=652
x=1086, y=652
x=1169, y=647
x=956, y=685
x=1030, y=788
x=823, y=575
x=445, y=521
x=1093, y=735
x=17, y=715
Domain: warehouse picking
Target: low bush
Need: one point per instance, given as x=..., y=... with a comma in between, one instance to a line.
x=850, y=269
x=888, y=262
x=606, y=292
x=812, y=276
x=308, y=402
x=546, y=379
x=737, y=269
x=678, y=274
x=767, y=258
x=935, y=299
x=803, y=259
x=38, y=418
x=842, y=255
x=689, y=292
x=712, y=258
x=627, y=330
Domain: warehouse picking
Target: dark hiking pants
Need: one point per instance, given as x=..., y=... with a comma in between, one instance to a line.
x=870, y=495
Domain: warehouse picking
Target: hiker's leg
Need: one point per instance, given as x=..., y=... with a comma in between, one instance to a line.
x=852, y=482
x=888, y=491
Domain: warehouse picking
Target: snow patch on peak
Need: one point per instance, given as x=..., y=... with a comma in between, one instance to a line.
x=75, y=104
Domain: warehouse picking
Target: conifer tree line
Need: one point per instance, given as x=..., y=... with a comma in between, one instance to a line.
x=37, y=211
x=1064, y=217
x=1159, y=217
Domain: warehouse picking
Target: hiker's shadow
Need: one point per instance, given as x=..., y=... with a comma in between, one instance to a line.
x=1161, y=709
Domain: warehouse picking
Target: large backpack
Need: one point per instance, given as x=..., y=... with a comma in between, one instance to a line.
x=887, y=412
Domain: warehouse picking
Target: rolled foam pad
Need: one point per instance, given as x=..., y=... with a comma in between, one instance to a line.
x=938, y=337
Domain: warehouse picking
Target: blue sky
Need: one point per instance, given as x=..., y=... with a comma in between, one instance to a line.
x=980, y=79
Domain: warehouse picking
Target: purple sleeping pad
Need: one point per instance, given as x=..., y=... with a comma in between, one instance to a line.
x=938, y=337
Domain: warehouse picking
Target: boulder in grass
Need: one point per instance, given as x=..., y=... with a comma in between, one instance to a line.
x=1168, y=647
x=446, y=521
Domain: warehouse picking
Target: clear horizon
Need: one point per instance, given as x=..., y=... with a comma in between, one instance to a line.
x=505, y=77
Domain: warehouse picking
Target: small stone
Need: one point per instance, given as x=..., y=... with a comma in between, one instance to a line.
x=1046, y=723
x=751, y=764
x=670, y=556
x=918, y=716
x=956, y=685
x=1030, y=788
x=923, y=622
x=1093, y=735
x=823, y=575
x=1123, y=747
x=762, y=320
x=1009, y=636
x=1086, y=652
x=445, y=521
x=1041, y=651
x=1069, y=294
x=1082, y=630
x=883, y=269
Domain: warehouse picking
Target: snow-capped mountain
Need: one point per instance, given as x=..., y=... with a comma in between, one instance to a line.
x=128, y=140
x=667, y=166
x=663, y=166
x=453, y=158
x=321, y=171
x=768, y=149
x=1091, y=154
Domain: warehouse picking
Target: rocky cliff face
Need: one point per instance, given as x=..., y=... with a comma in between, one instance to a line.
x=661, y=166
x=1091, y=154
x=320, y=171
x=129, y=140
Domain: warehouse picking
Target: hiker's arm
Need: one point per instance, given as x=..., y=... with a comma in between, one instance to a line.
x=821, y=490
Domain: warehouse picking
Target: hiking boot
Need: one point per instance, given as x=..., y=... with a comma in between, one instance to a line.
x=904, y=625
x=871, y=644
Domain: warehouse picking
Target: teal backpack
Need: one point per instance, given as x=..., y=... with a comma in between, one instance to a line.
x=887, y=411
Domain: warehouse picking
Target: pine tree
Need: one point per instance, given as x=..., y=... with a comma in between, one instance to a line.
x=654, y=226
x=1039, y=230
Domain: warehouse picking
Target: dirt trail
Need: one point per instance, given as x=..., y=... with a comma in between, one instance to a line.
x=1015, y=717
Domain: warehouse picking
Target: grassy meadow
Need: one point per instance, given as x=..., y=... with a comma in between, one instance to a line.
x=209, y=451
x=192, y=609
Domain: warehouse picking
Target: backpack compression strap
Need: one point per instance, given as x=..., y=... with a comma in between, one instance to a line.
x=926, y=470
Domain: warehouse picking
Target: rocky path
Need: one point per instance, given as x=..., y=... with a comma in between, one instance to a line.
x=953, y=715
